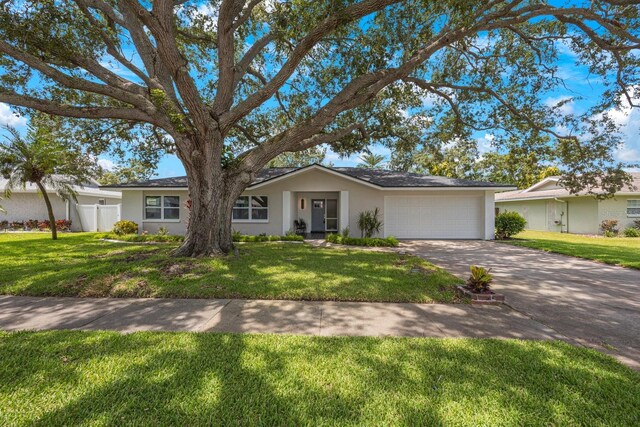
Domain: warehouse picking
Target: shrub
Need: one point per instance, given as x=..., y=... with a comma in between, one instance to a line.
x=162, y=231
x=4, y=224
x=63, y=225
x=31, y=224
x=480, y=279
x=345, y=232
x=631, y=232
x=369, y=223
x=18, y=225
x=125, y=227
x=636, y=224
x=44, y=224
x=609, y=227
x=362, y=241
x=509, y=224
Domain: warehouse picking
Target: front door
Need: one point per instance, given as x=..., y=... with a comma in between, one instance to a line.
x=317, y=215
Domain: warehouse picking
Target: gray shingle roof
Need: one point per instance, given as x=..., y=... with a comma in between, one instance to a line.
x=381, y=178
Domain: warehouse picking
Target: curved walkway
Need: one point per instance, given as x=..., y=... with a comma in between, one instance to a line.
x=591, y=303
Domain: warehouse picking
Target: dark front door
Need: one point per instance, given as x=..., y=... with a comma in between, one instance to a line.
x=317, y=216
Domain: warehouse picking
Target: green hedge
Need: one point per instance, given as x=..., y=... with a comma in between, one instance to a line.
x=263, y=238
x=362, y=241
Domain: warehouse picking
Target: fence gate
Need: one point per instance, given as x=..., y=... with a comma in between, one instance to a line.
x=98, y=217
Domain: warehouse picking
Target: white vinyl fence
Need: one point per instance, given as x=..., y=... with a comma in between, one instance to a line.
x=98, y=217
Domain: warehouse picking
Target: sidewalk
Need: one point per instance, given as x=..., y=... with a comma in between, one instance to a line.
x=323, y=318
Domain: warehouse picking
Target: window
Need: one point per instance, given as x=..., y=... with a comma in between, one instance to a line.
x=251, y=208
x=162, y=208
x=633, y=208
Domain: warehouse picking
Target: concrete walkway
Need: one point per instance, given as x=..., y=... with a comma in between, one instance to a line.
x=260, y=316
x=591, y=303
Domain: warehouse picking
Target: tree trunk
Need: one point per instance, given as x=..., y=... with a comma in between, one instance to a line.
x=52, y=219
x=213, y=194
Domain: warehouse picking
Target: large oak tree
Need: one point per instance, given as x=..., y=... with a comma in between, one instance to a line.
x=232, y=84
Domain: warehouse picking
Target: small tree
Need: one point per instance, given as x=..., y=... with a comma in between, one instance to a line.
x=40, y=160
x=509, y=224
x=369, y=223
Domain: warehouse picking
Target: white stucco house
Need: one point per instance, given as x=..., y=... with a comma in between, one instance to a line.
x=547, y=206
x=329, y=200
x=27, y=204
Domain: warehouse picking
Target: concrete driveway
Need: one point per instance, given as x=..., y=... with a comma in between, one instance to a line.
x=594, y=304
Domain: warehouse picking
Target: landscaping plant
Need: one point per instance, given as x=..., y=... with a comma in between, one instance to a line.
x=509, y=224
x=125, y=227
x=609, y=227
x=631, y=232
x=480, y=279
x=369, y=223
x=341, y=239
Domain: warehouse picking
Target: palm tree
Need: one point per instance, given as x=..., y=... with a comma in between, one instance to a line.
x=371, y=161
x=40, y=160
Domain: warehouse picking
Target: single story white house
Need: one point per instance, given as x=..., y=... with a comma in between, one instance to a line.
x=547, y=206
x=27, y=204
x=330, y=199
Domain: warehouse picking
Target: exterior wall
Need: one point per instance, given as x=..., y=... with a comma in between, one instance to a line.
x=308, y=185
x=616, y=208
x=534, y=211
x=25, y=206
x=582, y=215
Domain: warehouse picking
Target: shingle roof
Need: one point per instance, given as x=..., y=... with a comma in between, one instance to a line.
x=381, y=178
x=560, y=192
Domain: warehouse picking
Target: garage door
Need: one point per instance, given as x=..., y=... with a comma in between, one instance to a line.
x=434, y=217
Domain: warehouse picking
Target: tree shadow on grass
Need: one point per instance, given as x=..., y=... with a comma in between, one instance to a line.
x=205, y=379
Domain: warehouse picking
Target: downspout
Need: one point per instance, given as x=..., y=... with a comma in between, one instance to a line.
x=566, y=211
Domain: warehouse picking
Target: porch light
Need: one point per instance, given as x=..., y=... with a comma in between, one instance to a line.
x=302, y=204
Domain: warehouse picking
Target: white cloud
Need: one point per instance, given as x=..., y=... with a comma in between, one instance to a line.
x=106, y=164
x=9, y=118
x=485, y=144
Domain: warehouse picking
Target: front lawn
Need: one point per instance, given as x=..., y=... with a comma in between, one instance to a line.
x=611, y=250
x=106, y=378
x=80, y=265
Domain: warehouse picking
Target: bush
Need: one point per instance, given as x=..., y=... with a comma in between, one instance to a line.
x=4, y=224
x=509, y=224
x=31, y=224
x=631, y=232
x=636, y=224
x=369, y=223
x=125, y=227
x=18, y=225
x=609, y=227
x=162, y=231
x=362, y=241
x=63, y=225
x=480, y=279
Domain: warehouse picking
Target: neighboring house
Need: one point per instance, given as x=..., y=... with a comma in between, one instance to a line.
x=25, y=204
x=329, y=200
x=549, y=207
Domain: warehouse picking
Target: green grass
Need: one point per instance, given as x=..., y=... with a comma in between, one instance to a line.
x=610, y=250
x=105, y=378
x=80, y=265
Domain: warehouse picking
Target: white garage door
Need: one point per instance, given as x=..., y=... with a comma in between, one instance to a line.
x=434, y=217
